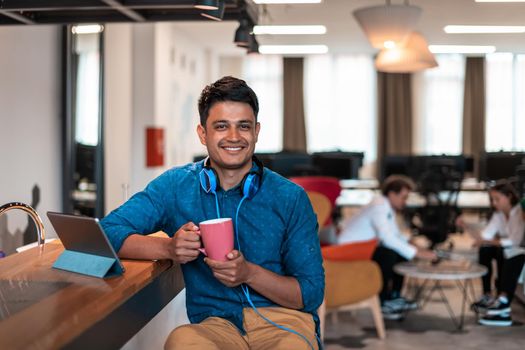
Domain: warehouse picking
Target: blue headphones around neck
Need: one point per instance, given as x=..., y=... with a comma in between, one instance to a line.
x=250, y=183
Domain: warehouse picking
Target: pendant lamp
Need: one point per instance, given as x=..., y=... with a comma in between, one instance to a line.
x=387, y=23
x=413, y=56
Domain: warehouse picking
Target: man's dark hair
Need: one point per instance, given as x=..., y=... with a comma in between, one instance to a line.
x=395, y=183
x=505, y=188
x=226, y=89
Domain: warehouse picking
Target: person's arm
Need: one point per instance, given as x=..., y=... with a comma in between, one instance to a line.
x=516, y=230
x=282, y=290
x=145, y=213
x=182, y=247
x=388, y=233
x=488, y=235
x=142, y=247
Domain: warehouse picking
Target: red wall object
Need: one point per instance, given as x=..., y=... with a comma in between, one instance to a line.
x=154, y=147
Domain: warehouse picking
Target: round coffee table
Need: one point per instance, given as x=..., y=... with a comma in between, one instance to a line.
x=462, y=272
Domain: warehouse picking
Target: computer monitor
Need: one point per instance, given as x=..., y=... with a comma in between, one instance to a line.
x=457, y=163
x=500, y=165
x=287, y=164
x=415, y=165
x=342, y=165
x=395, y=165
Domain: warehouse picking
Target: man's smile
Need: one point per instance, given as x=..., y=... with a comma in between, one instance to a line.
x=233, y=148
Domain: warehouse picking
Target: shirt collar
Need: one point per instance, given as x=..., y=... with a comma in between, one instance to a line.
x=236, y=188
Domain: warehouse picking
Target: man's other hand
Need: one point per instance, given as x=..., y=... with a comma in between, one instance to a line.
x=185, y=244
x=233, y=272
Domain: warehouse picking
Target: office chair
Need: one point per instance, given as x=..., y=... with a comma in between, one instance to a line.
x=326, y=185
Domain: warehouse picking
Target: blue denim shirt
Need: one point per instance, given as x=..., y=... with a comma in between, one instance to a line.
x=277, y=230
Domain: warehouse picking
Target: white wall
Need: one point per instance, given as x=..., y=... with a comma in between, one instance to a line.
x=231, y=65
x=169, y=70
x=192, y=65
x=30, y=120
x=117, y=112
x=143, y=107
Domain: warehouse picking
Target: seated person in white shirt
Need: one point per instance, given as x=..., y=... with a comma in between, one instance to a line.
x=378, y=220
x=501, y=240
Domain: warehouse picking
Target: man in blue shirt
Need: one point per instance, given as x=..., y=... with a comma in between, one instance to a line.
x=275, y=269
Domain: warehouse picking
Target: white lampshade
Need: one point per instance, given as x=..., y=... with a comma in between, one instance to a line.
x=411, y=57
x=387, y=23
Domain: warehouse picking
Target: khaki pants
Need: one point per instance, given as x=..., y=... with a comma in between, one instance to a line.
x=219, y=334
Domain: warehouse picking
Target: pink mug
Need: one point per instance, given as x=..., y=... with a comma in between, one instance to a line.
x=217, y=238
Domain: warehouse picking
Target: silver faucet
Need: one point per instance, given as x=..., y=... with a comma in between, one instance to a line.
x=41, y=235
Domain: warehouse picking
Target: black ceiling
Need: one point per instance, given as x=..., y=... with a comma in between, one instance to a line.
x=102, y=11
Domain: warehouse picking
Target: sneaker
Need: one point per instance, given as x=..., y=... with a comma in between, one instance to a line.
x=391, y=313
x=403, y=304
x=482, y=304
x=502, y=320
x=498, y=307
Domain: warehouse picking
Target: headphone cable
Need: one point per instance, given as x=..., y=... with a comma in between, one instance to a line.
x=217, y=206
x=246, y=291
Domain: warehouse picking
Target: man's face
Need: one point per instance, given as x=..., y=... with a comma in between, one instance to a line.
x=398, y=201
x=230, y=135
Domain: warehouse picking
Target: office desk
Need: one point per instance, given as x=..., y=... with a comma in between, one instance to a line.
x=468, y=184
x=370, y=184
x=475, y=200
x=45, y=308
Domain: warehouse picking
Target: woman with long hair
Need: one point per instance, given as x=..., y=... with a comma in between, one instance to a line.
x=501, y=240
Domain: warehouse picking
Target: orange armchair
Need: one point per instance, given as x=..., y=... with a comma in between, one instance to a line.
x=353, y=281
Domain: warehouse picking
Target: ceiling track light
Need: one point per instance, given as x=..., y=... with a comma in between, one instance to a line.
x=215, y=15
x=253, y=48
x=243, y=33
x=206, y=4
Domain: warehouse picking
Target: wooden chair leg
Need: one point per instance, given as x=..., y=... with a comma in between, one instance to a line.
x=334, y=317
x=322, y=315
x=375, y=306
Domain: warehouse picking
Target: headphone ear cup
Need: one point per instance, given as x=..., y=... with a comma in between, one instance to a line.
x=209, y=180
x=250, y=185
